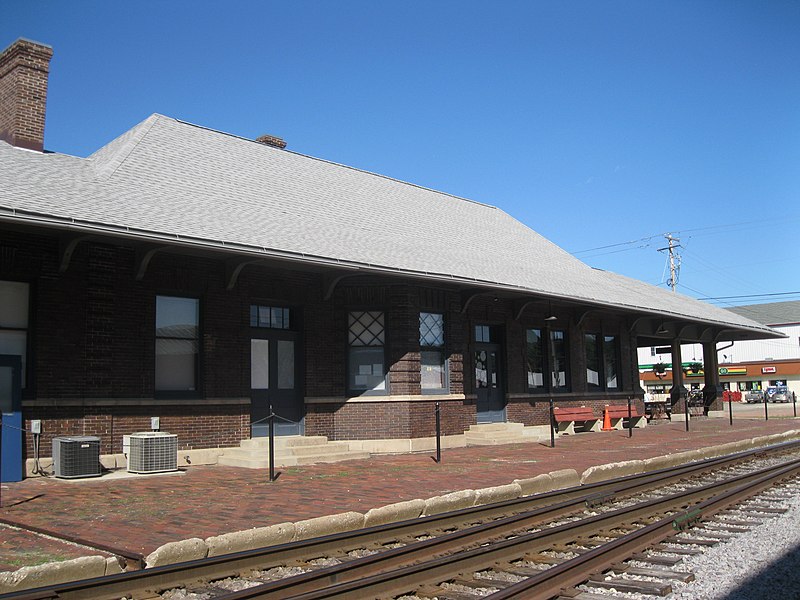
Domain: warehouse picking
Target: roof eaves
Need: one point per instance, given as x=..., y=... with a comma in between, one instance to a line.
x=16, y=215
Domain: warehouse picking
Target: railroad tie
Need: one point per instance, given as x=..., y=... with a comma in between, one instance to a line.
x=766, y=509
x=657, y=560
x=580, y=595
x=680, y=551
x=682, y=576
x=635, y=586
x=689, y=541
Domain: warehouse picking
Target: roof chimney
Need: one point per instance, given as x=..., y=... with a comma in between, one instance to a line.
x=271, y=140
x=24, y=67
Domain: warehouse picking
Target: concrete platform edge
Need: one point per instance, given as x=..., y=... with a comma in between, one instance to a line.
x=195, y=548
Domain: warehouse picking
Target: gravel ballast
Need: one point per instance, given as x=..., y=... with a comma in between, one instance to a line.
x=762, y=564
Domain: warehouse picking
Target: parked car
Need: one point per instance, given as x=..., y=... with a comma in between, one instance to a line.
x=781, y=397
x=754, y=396
x=779, y=394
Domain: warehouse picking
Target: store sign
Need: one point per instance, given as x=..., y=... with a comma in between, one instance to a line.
x=733, y=370
x=769, y=369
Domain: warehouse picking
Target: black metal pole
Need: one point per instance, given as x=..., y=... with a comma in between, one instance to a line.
x=686, y=409
x=766, y=410
x=552, y=425
x=271, y=420
x=730, y=407
x=438, y=435
x=630, y=419
x=794, y=403
x=1, y=459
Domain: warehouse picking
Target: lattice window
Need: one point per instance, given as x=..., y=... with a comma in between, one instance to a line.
x=366, y=364
x=431, y=330
x=366, y=328
x=433, y=365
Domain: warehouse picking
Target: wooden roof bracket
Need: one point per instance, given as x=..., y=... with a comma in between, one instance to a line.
x=522, y=306
x=329, y=283
x=144, y=255
x=468, y=297
x=583, y=316
x=233, y=268
x=66, y=248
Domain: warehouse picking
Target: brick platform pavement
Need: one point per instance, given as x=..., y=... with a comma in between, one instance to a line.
x=145, y=512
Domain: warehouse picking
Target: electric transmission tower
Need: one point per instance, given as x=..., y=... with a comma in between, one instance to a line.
x=674, y=259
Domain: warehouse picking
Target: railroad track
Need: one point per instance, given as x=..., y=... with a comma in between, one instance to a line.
x=498, y=548
x=531, y=565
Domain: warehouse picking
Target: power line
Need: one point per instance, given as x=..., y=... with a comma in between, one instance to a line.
x=749, y=296
x=710, y=228
x=725, y=274
x=683, y=285
x=644, y=239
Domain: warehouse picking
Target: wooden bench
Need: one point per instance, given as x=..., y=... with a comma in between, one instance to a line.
x=618, y=413
x=566, y=418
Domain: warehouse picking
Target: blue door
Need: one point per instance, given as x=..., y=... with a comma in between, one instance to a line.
x=11, y=409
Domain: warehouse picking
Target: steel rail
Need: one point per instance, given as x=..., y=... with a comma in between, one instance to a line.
x=177, y=575
x=574, y=571
x=407, y=580
x=449, y=543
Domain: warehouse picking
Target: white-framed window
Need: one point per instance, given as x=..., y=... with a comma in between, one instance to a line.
x=177, y=342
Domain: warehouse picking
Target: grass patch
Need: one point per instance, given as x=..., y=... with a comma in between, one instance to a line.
x=33, y=558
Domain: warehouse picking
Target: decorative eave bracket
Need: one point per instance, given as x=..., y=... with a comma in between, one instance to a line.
x=233, y=269
x=66, y=248
x=144, y=254
x=467, y=297
x=329, y=283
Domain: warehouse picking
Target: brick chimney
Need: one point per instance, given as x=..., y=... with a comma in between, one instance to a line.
x=271, y=140
x=24, y=67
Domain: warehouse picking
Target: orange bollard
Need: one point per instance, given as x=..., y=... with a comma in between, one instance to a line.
x=607, y=421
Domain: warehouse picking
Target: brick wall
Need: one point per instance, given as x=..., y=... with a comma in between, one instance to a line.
x=92, y=327
x=205, y=426
x=387, y=420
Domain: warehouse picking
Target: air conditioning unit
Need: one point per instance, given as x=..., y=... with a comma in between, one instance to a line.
x=76, y=456
x=151, y=452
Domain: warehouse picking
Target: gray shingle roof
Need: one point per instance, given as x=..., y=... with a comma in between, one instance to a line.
x=173, y=181
x=773, y=313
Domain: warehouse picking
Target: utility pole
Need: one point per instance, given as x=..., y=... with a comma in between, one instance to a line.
x=674, y=259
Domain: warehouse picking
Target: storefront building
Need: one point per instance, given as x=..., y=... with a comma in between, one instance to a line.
x=744, y=366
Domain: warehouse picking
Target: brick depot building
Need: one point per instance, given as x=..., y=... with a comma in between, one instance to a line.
x=199, y=277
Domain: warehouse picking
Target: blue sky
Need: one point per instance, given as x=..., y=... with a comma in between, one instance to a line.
x=599, y=124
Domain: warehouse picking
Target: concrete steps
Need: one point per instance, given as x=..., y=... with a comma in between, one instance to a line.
x=496, y=434
x=289, y=451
